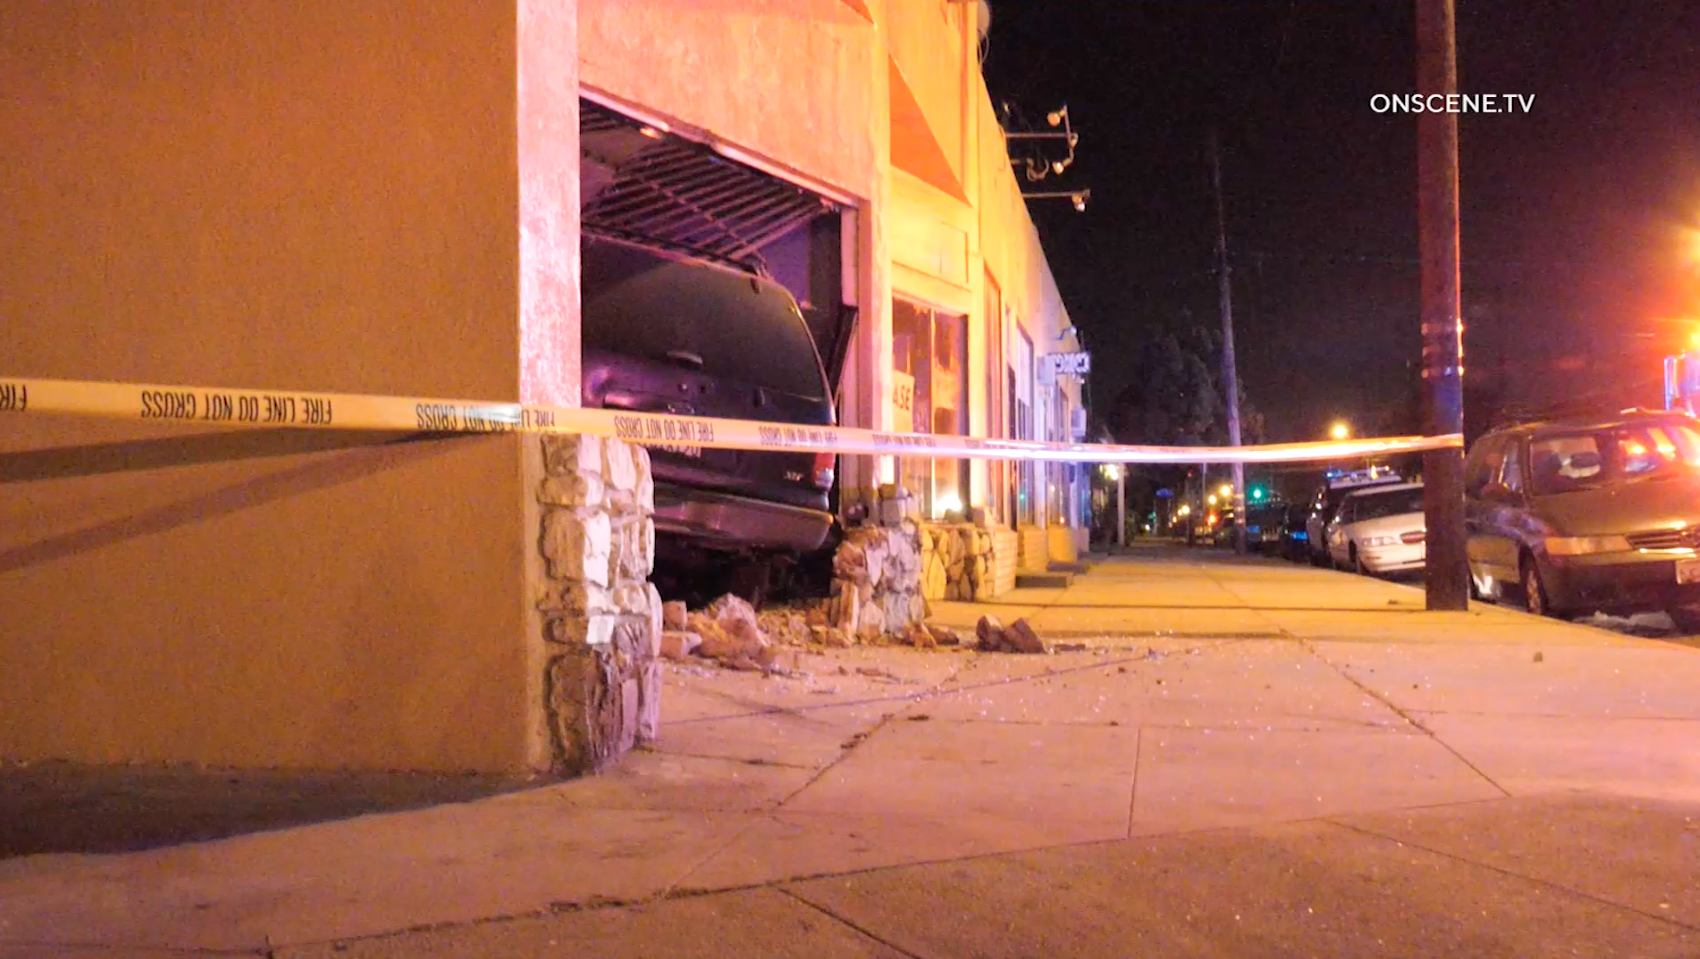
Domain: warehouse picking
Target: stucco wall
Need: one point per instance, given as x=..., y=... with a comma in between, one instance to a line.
x=274, y=195
x=925, y=41
x=789, y=80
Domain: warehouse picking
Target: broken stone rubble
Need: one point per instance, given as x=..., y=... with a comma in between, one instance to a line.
x=1018, y=637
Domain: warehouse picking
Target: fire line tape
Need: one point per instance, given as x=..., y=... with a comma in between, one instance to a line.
x=293, y=409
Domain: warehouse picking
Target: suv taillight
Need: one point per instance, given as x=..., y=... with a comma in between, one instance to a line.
x=823, y=469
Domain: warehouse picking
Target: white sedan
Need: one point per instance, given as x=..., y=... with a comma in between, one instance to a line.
x=1379, y=531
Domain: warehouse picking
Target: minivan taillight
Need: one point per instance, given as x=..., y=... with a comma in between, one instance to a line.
x=823, y=470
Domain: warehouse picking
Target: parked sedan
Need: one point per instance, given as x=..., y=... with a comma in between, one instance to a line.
x=1325, y=504
x=1584, y=515
x=1379, y=530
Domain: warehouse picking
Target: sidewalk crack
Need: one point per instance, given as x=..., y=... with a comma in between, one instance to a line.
x=846, y=922
x=1133, y=794
x=1407, y=716
x=1548, y=883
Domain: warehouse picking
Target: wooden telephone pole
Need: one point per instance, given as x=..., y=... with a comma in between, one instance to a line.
x=1230, y=373
x=1447, y=578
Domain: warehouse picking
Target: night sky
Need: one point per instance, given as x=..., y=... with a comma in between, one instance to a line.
x=1578, y=218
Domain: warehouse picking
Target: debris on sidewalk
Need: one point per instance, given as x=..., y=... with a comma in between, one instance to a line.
x=679, y=643
x=673, y=616
x=1539, y=658
x=918, y=636
x=831, y=637
x=1018, y=637
x=726, y=638
x=785, y=627
x=924, y=636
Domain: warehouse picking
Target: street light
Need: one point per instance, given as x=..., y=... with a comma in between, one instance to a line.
x=1339, y=431
x=1227, y=490
x=1212, y=498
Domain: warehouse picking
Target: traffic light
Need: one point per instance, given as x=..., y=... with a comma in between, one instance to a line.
x=1256, y=493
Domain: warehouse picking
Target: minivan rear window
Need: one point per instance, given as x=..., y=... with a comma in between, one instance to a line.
x=639, y=303
x=1569, y=462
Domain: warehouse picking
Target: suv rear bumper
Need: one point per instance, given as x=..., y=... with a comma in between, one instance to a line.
x=723, y=521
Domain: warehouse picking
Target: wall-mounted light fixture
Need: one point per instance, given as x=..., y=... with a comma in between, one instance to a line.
x=1038, y=168
x=1078, y=197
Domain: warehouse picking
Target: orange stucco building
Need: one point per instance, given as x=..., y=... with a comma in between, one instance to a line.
x=384, y=197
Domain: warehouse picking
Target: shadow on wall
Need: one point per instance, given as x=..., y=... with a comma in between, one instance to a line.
x=105, y=458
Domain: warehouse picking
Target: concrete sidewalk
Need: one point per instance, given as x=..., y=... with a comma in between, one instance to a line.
x=1233, y=758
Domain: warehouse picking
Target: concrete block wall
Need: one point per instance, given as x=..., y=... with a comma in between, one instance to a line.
x=876, y=585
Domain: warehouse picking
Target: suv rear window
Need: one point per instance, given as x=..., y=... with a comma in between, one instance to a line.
x=639, y=303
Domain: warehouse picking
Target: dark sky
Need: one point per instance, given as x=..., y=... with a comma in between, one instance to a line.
x=1574, y=216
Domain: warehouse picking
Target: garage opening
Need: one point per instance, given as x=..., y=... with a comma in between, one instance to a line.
x=711, y=288
x=660, y=189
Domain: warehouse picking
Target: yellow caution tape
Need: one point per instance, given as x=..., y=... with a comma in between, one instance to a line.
x=294, y=409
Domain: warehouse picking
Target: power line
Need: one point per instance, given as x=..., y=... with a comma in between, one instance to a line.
x=1389, y=260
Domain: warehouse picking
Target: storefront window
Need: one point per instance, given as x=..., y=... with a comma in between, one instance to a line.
x=1021, y=406
x=929, y=350
x=1057, y=474
x=997, y=424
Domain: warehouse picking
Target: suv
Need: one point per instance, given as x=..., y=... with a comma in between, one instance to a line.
x=1584, y=515
x=668, y=334
x=1326, y=501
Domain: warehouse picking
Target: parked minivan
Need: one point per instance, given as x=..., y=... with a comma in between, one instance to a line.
x=1589, y=514
x=665, y=333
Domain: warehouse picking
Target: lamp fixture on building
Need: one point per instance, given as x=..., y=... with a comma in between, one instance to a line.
x=1078, y=196
x=1039, y=168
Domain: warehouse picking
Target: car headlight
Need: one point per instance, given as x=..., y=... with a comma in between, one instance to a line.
x=1379, y=541
x=1581, y=545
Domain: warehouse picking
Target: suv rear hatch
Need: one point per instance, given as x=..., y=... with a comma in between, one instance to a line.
x=665, y=335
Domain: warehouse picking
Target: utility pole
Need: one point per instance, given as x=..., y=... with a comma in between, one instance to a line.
x=1198, y=510
x=1230, y=375
x=1447, y=578
x=1121, y=505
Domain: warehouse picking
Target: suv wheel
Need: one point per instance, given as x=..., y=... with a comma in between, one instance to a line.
x=1535, y=598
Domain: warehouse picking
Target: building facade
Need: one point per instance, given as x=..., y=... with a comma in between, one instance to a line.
x=386, y=197
x=954, y=307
